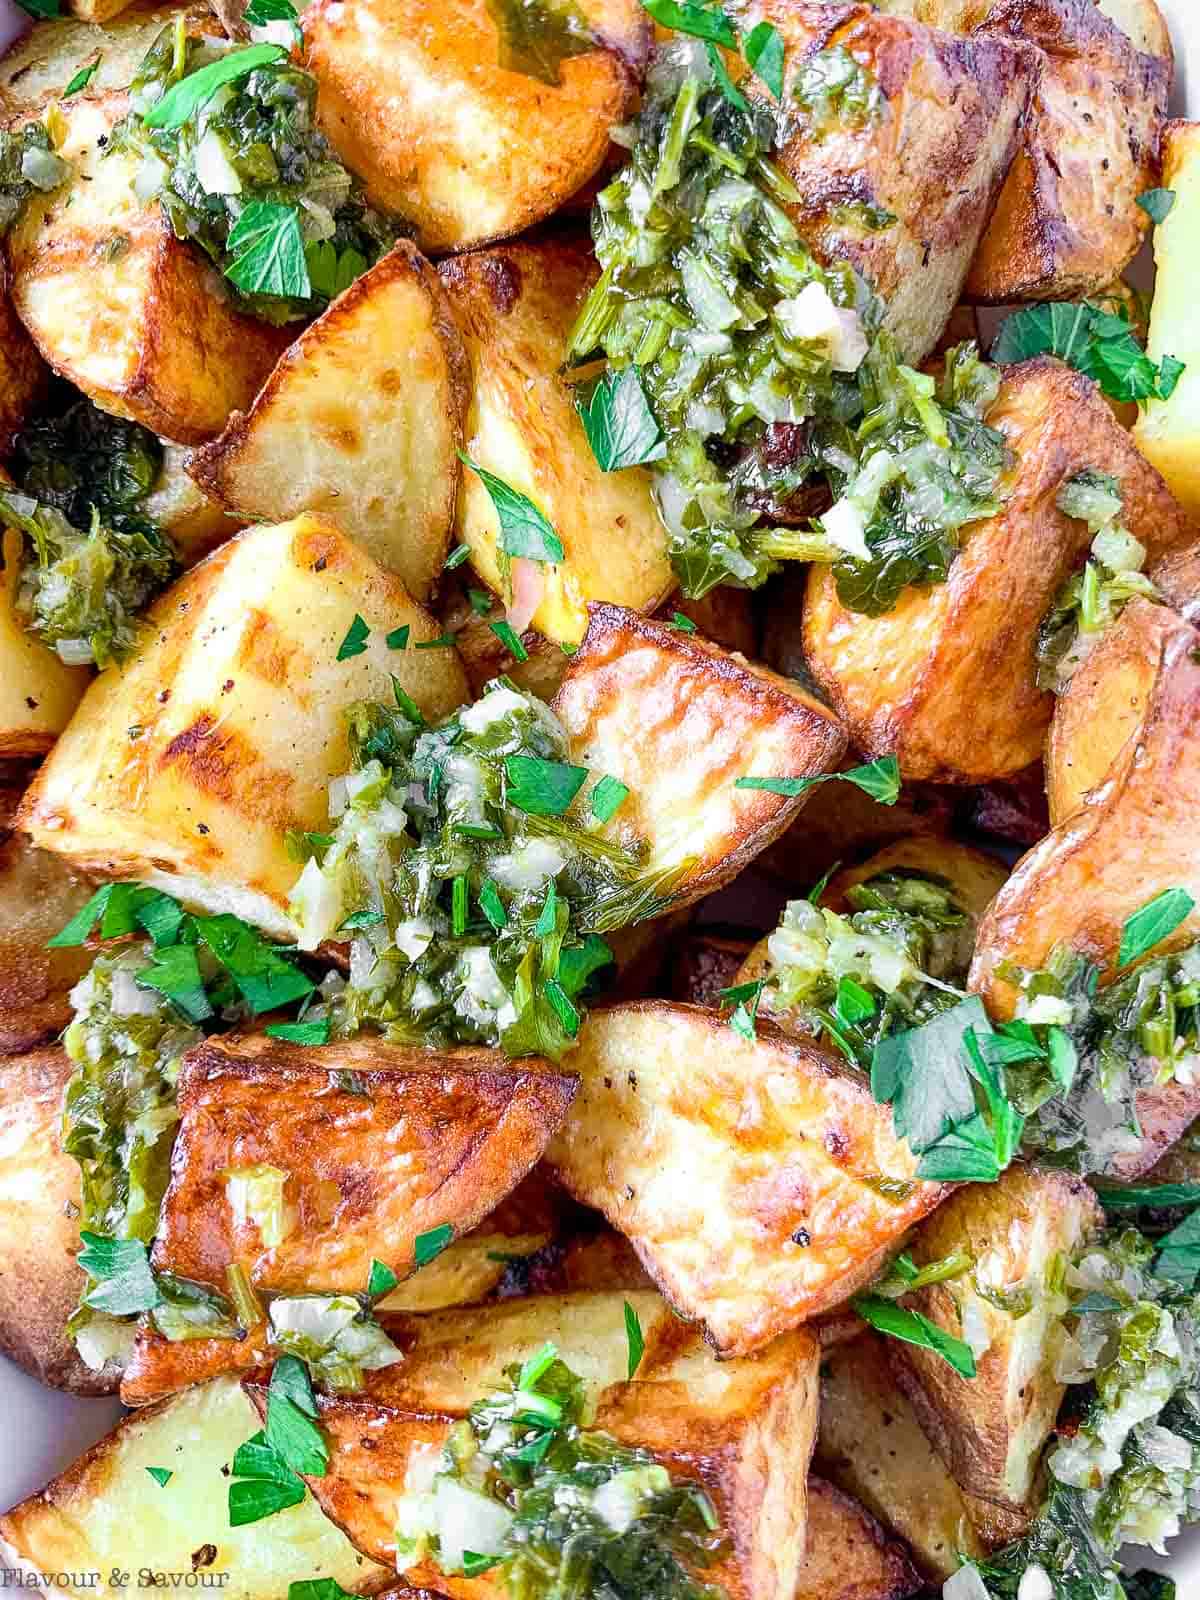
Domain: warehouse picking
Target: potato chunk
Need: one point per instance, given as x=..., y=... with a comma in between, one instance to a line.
x=122, y=308
x=24, y=376
x=1168, y=431
x=416, y=99
x=187, y=766
x=848, y=1555
x=748, y=1174
x=38, y=691
x=931, y=158
x=743, y=1429
x=516, y=307
x=181, y=508
x=40, y=1283
x=990, y=1430
x=105, y=1514
x=679, y=721
x=900, y=681
x=359, y=422
x=1067, y=222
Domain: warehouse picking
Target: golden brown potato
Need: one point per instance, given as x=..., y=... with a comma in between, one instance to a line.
x=933, y=159
x=360, y=422
x=748, y=1174
x=725, y=616
x=116, y=303
x=416, y=100
x=848, y=1555
x=39, y=894
x=1168, y=432
x=181, y=508
x=105, y=1515
x=1177, y=578
x=679, y=721
x=1181, y=1164
x=40, y=1283
x=705, y=963
x=1143, y=23
x=990, y=1430
x=516, y=306
x=436, y=1140
x=1133, y=837
x=743, y=1429
x=188, y=765
x=38, y=692
x=871, y=1445
x=40, y=66
x=1067, y=222
x=485, y=656
x=900, y=681
x=24, y=376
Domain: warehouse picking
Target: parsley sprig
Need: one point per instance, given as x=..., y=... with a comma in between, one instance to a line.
x=1097, y=340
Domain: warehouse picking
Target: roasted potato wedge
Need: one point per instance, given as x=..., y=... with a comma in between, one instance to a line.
x=39, y=894
x=990, y=1430
x=871, y=1445
x=848, y=1555
x=1013, y=810
x=188, y=765
x=39, y=67
x=679, y=721
x=38, y=692
x=40, y=1283
x=900, y=681
x=24, y=376
x=516, y=306
x=933, y=160
x=359, y=422
x=425, y=103
x=745, y=1173
x=104, y=1515
x=744, y=1429
x=1168, y=431
x=181, y=508
x=1134, y=836
x=436, y=1140
x=705, y=963
x=1177, y=578
x=1067, y=221
x=145, y=330
x=1181, y=1164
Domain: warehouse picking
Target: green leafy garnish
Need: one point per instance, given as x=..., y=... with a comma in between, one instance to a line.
x=300, y=1032
x=185, y=98
x=543, y=788
x=291, y=1431
x=428, y=1245
x=457, y=556
x=692, y=17
x=80, y=81
x=680, y=623
x=1096, y=341
x=41, y=8
x=912, y=1328
x=1157, y=203
x=1153, y=922
x=635, y=1340
x=260, y=13
x=161, y=1475
x=509, y=639
x=355, y=641
x=607, y=798
x=1179, y=1253
x=764, y=53
x=880, y=779
x=537, y=36
x=266, y=251
x=263, y=1483
x=381, y=1281
x=1152, y=1196
x=398, y=638
x=121, y=1267
x=618, y=421
x=524, y=530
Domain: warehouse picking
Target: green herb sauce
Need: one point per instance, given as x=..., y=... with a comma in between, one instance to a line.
x=560, y=1509
x=767, y=374
x=251, y=163
x=537, y=36
x=895, y=961
x=472, y=919
x=28, y=166
x=835, y=91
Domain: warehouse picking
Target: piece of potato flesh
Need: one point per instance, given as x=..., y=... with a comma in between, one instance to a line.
x=188, y=765
x=39, y=67
x=181, y=509
x=871, y=1445
x=516, y=305
x=746, y=1173
x=848, y=1554
x=1168, y=432
x=414, y=100
x=24, y=376
x=132, y=315
x=744, y=1429
x=359, y=423
x=106, y=1514
x=679, y=721
x=934, y=158
x=991, y=1429
x=900, y=680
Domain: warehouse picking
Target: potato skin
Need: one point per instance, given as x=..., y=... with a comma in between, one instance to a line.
x=990, y=1430
x=935, y=159
x=104, y=1514
x=742, y=1172
x=1067, y=223
x=743, y=1429
x=849, y=1556
x=237, y=700
x=40, y=1283
x=900, y=681
x=516, y=305
x=414, y=100
x=678, y=720
x=149, y=333
x=359, y=422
